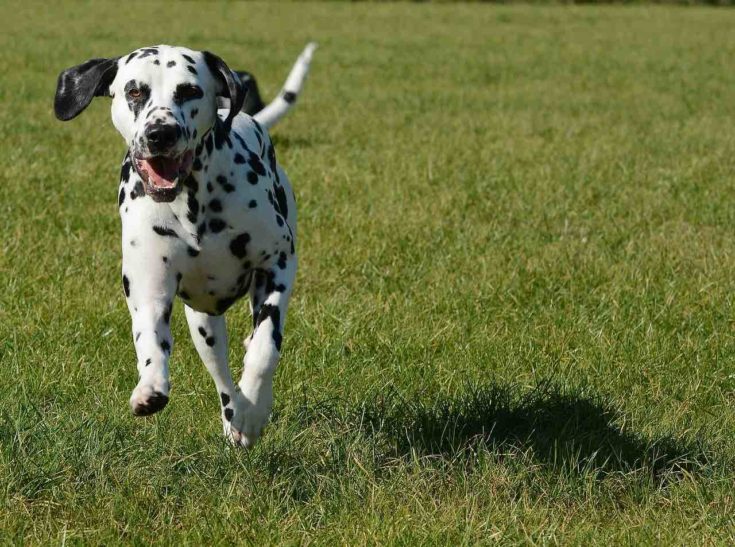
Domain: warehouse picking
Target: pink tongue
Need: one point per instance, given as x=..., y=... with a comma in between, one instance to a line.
x=162, y=172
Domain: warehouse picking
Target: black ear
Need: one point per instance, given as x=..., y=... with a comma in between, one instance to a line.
x=231, y=87
x=77, y=86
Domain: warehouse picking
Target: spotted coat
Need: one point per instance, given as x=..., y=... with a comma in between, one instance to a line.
x=208, y=216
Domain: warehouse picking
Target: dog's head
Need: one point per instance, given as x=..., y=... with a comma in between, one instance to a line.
x=164, y=100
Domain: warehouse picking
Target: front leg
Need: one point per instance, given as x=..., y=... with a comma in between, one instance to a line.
x=150, y=306
x=264, y=351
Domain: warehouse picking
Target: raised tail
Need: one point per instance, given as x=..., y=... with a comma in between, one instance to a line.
x=279, y=106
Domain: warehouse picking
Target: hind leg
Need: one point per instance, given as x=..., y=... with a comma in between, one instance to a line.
x=209, y=334
x=263, y=350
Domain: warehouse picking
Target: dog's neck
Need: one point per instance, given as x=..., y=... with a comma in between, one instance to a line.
x=190, y=206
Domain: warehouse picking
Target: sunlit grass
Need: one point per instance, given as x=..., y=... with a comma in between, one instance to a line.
x=513, y=315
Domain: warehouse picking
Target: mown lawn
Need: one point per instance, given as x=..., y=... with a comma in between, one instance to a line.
x=514, y=313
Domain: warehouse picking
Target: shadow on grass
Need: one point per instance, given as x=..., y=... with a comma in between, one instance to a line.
x=559, y=428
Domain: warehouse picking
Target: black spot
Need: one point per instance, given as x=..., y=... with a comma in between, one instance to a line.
x=170, y=64
x=203, y=332
x=257, y=165
x=201, y=229
x=156, y=62
x=224, y=304
x=210, y=341
x=121, y=197
x=167, y=313
x=192, y=251
x=239, y=139
x=252, y=177
x=219, y=136
x=165, y=346
x=136, y=104
x=272, y=312
x=137, y=336
x=164, y=258
x=166, y=232
x=210, y=188
x=192, y=70
x=187, y=92
x=279, y=220
x=215, y=205
x=253, y=204
x=126, y=286
x=239, y=158
x=271, y=285
x=289, y=97
x=125, y=169
x=191, y=183
x=148, y=361
x=239, y=244
x=282, y=261
x=197, y=165
x=217, y=225
x=185, y=56
x=208, y=143
x=225, y=398
x=229, y=413
x=194, y=112
x=184, y=295
x=147, y=52
x=193, y=204
x=138, y=190
x=226, y=186
x=131, y=57
x=281, y=200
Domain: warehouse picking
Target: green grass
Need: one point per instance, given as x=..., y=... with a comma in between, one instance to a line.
x=514, y=313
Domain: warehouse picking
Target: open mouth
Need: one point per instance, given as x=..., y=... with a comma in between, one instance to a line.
x=162, y=175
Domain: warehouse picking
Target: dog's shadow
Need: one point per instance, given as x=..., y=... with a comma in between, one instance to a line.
x=558, y=428
x=564, y=430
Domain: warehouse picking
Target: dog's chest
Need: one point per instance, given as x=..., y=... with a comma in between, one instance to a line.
x=232, y=235
x=218, y=270
x=230, y=220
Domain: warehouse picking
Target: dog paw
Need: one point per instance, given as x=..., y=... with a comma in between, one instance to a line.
x=245, y=416
x=148, y=398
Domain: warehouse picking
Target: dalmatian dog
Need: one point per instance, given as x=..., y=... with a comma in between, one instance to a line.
x=207, y=212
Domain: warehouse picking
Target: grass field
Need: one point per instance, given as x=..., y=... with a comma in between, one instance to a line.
x=514, y=314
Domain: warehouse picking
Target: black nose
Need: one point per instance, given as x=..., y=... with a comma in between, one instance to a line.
x=161, y=137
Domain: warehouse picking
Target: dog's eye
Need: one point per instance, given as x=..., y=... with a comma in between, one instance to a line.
x=134, y=93
x=187, y=92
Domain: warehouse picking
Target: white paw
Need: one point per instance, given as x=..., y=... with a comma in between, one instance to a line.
x=149, y=396
x=245, y=416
